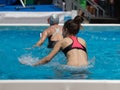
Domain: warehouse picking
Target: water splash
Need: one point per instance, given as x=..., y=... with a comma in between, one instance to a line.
x=28, y=59
x=74, y=69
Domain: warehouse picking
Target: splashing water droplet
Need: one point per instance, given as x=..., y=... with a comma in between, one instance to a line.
x=28, y=59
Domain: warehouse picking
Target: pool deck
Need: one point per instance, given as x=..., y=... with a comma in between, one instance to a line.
x=24, y=17
x=28, y=17
x=38, y=15
x=13, y=18
x=40, y=18
x=9, y=15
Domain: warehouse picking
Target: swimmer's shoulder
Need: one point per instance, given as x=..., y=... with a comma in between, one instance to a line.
x=49, y=30
x=65, y=41
x=82, y=41
x=56, y=26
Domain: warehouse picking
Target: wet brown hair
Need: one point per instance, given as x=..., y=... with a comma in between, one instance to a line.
x=78, y=19
x=73, y=26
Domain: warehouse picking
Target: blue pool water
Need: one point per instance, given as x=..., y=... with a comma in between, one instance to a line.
x=103, y=44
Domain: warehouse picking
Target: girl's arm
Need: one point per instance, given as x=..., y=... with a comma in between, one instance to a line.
x=50, y=56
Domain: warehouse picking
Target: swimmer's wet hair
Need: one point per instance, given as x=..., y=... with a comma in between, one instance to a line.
x=73, y=26
x=78, y=19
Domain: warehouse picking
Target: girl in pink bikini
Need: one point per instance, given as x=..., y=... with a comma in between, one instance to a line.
x=73, y=47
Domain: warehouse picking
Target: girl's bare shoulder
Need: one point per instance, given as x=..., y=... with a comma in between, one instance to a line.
x=81, y=40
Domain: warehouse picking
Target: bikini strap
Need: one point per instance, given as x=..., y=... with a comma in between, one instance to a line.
x=76, y=43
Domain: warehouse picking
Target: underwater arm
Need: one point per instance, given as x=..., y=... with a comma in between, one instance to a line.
x=50, y=56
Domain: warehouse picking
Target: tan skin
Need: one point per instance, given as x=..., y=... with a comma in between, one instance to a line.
x=75, y=57
x=48, y=32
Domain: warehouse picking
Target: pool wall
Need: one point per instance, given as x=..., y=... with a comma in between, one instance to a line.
x=32, y=17
x=60, y=85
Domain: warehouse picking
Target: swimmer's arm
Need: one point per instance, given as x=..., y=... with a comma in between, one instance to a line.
x=42, y=39
x=50, y=56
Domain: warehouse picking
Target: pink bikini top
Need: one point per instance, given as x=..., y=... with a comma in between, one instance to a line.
x=74, y=45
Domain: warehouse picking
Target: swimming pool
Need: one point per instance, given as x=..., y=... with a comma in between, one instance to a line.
x=103, y=43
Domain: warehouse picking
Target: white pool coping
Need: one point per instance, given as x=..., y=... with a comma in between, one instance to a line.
x=60, y=85
x=60, y=81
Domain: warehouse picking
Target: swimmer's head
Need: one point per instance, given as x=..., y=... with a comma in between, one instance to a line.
x=53, y=19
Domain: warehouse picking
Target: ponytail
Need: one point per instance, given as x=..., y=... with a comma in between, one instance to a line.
x=78, y=19
x=73, y=26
